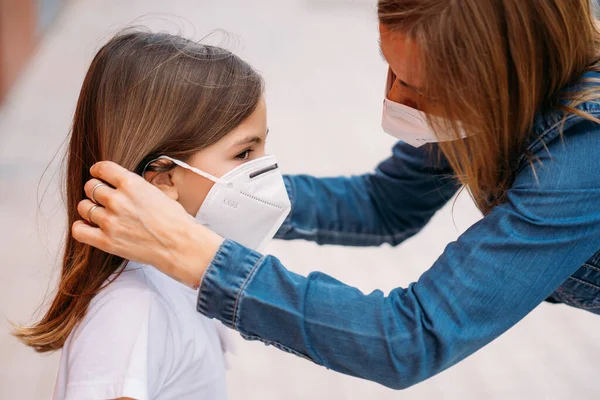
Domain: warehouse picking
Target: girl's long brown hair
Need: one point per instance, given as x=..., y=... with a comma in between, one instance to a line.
x=492, y=64
x=145, y=95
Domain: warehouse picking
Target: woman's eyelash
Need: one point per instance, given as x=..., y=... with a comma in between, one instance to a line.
x=406, y=85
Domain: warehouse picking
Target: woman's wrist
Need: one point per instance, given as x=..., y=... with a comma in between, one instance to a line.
x=191, y=253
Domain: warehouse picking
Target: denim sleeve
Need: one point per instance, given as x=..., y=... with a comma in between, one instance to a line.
x=387, y=206
x=483, y=284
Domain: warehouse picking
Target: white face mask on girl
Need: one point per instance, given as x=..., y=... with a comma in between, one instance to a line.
x=248, y=204
x=408, y=124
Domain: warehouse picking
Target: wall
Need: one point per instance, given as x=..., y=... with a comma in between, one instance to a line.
x=22, y=23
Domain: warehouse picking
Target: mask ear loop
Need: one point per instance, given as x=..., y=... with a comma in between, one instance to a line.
x=193, y=169
x=148, y=164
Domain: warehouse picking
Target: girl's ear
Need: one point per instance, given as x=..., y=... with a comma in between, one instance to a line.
x=160, y=174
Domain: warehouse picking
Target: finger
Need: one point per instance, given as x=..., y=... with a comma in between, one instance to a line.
x=99, y=193
x=112, y=173
x=90, y=235
x=96, y=215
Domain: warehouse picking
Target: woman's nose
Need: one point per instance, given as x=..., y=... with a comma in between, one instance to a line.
x=402, y=95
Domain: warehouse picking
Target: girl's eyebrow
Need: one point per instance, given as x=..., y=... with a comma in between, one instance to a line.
x=249, y=140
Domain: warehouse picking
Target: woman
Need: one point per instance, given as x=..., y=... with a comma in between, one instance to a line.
x=509, y=90
x=176, y=112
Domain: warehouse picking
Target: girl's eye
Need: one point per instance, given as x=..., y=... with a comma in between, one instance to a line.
x=244, y=155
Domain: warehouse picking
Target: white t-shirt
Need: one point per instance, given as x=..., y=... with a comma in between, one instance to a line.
x=142, y=338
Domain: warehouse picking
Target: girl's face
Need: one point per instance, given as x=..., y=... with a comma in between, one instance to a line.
x=244, y=143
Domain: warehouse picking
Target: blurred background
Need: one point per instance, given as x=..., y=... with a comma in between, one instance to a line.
x=325, y=83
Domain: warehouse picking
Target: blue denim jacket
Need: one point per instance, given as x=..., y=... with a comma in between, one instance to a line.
x=542, y=243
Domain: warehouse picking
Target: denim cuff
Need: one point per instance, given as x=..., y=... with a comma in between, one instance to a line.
x=224, y=281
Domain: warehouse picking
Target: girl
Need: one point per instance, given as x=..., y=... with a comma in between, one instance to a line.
x=148, y=101
x=505, y=94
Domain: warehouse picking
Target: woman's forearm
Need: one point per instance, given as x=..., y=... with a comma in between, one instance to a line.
x=484, y=283
x=386, y=206
x=191, y=250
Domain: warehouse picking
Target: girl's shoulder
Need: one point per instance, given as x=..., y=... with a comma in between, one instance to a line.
x=136, y=337
x=129, y=308
x=123, y=346
x=130, y=283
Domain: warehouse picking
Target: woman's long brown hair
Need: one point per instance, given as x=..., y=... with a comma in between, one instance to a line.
x=144, y=95
x=493, y=64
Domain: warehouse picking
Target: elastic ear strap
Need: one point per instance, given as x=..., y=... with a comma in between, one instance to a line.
x=196, y=170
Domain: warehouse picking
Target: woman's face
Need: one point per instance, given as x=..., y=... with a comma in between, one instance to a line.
x=402, y=56
x=243, y=144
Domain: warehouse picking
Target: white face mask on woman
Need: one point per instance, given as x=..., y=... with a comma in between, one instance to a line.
x=408, y=124
x=248, y=204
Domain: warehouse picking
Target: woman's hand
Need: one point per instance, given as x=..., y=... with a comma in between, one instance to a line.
x=136, y=221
